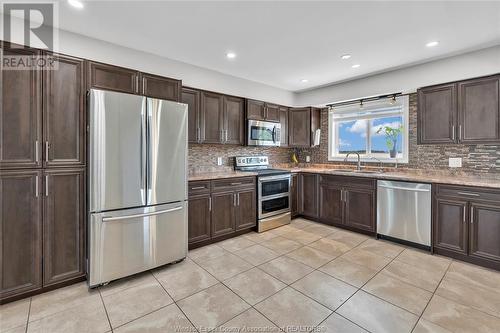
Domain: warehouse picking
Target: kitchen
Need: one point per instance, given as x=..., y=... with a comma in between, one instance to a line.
x=155, y=187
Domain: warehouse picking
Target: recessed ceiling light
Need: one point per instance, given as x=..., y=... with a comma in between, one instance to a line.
x=432, y=44
x=230, y=55
x=304, y=80
x=345, y=56
x=76, y=3
x=355, y=66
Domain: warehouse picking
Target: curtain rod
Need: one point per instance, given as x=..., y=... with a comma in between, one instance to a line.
x=368, y=99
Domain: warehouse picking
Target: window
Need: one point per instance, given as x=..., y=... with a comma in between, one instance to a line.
x=353, y=129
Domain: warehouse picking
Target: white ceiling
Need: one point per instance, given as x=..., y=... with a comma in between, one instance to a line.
x=279, y=43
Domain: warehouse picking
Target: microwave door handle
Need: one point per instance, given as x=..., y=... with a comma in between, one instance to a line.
x=274, y=134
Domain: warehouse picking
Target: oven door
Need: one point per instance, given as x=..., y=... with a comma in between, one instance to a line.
x=272, y=206
x=263, y=133
x=274, y=185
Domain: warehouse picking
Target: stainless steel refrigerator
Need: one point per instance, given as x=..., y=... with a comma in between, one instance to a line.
x=137, y=184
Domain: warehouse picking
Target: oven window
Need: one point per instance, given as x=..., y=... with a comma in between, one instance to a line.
x=261, y=133
x=274, y=205
x=275, y=187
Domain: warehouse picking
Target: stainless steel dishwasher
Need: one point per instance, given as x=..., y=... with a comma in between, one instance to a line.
x=404, y=211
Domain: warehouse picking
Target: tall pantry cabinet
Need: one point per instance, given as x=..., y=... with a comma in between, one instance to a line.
x=42, y=174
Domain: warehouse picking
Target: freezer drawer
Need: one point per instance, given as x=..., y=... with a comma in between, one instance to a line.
x=404, y=211
x=130, y=241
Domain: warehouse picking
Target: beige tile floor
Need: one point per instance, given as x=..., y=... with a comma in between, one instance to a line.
x=296, y=278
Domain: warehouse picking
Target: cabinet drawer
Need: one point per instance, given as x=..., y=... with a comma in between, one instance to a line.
x=358, y=182
x=470, y=193
x=199, y=187
x=232, y=183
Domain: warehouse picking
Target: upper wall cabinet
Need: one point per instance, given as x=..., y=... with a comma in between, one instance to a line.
x=20, y=113
x=284, y=126
x=302, y=123
x=258, y=110
x=466, y=112
x=191, y=97
x=64, y=113
x=161, y=87
x=107, y=77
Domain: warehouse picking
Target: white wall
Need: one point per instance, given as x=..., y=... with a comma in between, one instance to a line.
x=464, y=66
x=89, y=48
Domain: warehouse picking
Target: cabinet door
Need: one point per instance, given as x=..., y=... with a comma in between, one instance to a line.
x=295, y=193
x=63, y=225
x=331, y=205
x=64, y=113
x=360, y=209
x=20, y=232
x=272, y=112
x=299, y=127
x=20, y=113
x=479, y=110
x=161, y=87
x=450, y=226
x=108, y=77
x=255, y=110
x=191, y=97
x=234, y=120
x=309, y=189
x=246, y=208
x=199, y=218
x=484, y=232
x=212, y=118
x=223, y=216
x=284, y=126
x=437, y=114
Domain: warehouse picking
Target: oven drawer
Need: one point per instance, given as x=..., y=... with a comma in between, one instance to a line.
x=273, y=206
x=231, y=183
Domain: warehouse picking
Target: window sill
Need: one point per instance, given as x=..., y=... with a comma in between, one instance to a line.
x=387, y=160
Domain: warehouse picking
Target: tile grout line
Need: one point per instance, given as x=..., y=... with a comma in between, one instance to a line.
x=105, y=309
x=28, y=317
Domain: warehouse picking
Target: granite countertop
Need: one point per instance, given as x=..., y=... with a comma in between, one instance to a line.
x=423, y=176
x=219, y=175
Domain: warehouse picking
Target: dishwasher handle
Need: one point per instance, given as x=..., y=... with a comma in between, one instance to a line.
x=405, y=188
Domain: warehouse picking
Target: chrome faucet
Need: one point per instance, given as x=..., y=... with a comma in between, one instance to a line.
x=359, y=159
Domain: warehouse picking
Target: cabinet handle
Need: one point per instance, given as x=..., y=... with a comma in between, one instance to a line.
x=472, y=215
x=36, y=186
x=459, y=132
x=36, y=152
x=234, y=199
x=198, y=188
x=46, y=151
x=209, y=204
x=46, y=185
x=226, y=135
x=221, y=138
x=136, y=83
x=233, y=184
x=453, y=132
x=198, y=134
x=465, y=213
x=238, y=203
x=469, y=194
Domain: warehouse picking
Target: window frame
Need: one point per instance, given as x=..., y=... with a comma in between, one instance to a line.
x=371, y=110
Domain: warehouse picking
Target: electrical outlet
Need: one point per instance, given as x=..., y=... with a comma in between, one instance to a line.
x=308, y=158
x=219, y=160
x=455, y=162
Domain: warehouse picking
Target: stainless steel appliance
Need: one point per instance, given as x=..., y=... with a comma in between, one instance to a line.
x=273, y=191
x=263, y=133
x=404, y=211
x=137, y=184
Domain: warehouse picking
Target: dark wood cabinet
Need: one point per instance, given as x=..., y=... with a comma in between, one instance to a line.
x=295, y=194
x=302, y=124
x=360, y=208
x=64, y=113
x=108, y=77
x=223, y=213
x=331, y=204
x=309, y=194
x=246, y=210
x=161, y=87
x=234, y=120
x=258, y=110
x=466, y=112
x=450, y=224
x=284, y=126
x=200, y=207
x=212, y=117
x=479, y=110
x=63, y=225
x=20, y=112
x=191, y=97
x=20, y=232
x=484, y=231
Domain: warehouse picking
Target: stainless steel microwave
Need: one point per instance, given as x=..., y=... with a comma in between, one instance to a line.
x=263, y=133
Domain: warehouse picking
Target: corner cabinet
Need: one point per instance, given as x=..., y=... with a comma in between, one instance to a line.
x=284, y=126
x=302, y=124
x=465, y=112
x=466, y=224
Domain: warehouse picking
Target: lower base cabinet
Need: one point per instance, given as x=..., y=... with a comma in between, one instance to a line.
x=466, y=224
x=295, y=194
x=220, y=208
x=42, y=229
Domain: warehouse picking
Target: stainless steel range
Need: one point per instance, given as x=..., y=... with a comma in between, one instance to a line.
x=273, y=191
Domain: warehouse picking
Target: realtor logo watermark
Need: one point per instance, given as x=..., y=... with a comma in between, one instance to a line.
x=29, y=25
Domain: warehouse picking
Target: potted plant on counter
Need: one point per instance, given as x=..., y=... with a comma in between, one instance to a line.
x=391, y=138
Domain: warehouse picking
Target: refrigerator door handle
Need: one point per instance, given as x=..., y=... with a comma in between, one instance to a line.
x=143, y=149
x=107, y=219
